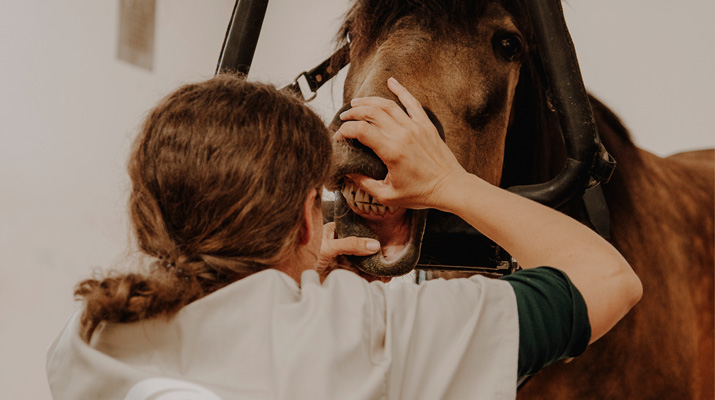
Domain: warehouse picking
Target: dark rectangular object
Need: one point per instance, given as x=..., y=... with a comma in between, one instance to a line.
x=241, y=39
x=136, y=32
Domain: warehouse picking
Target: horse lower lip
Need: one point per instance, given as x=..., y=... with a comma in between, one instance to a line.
x=399, y=234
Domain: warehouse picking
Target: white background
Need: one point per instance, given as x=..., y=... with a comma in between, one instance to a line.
x=68, y=111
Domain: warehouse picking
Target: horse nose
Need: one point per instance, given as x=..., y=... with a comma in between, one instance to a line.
x=435, y=121
x=336, y=122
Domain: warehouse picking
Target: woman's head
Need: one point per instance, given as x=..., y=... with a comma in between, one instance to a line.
x=220, y=173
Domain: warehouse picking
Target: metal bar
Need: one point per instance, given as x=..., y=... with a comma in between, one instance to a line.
x=241, y=39
x=564, y=75
x=570, y=99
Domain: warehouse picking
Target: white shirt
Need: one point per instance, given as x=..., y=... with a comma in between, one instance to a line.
x=266, y=337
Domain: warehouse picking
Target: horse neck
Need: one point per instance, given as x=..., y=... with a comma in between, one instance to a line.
x=650, y=194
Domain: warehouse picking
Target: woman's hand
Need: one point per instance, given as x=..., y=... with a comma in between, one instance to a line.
x=332, y=251
x=420, y=165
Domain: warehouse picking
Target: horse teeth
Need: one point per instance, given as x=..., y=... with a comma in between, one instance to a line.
x=363, y=201
x=360, y=195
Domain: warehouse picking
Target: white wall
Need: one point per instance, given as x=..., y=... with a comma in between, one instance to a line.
x=653, y=63
x=68, y=111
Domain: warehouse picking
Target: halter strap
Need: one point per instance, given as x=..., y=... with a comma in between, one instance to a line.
x=316, y=77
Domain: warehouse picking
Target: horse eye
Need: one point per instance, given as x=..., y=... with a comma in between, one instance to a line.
x=509, y=47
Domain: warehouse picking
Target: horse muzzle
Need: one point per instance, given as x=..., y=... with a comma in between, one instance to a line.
x=352, y=209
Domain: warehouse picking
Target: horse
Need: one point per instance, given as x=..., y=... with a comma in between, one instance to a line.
x=474, y=65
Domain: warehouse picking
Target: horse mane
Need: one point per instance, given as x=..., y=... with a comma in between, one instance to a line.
x=608, y=118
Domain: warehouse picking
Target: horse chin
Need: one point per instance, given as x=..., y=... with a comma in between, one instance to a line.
x=399, y=232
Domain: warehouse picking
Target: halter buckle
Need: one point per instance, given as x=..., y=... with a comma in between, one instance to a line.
x=303, y=89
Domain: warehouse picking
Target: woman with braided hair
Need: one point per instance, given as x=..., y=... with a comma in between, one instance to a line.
x=243, y=298
x=226, y=182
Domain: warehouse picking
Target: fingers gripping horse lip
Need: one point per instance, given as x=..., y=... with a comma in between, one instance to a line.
x=357, y=213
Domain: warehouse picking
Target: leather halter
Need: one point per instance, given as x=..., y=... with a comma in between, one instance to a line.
x=316, y=77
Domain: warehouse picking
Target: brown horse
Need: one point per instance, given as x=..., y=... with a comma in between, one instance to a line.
x=473, y=64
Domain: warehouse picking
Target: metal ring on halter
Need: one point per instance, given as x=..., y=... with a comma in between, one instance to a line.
x=297, y=85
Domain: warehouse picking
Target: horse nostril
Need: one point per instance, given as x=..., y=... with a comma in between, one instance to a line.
x=435, y=121
x=336, y=122
x=352, y=157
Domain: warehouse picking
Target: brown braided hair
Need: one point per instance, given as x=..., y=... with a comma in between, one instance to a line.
x=220, y=172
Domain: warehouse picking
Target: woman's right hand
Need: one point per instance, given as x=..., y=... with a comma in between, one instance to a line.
x=421, y=168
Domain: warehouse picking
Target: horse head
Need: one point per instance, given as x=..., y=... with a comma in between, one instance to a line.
x=472, y=65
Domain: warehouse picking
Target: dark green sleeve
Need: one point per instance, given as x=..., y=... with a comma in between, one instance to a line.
x=553, y=319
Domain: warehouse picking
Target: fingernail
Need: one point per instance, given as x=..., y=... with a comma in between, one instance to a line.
x=372, y=245
x=393, y=80
x=355, y=100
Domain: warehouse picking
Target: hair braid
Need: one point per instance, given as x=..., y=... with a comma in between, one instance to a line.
x=219, y=175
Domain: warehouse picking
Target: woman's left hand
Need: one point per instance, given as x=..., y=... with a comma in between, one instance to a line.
x=332, y=251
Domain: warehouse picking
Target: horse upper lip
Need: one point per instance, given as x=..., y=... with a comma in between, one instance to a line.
x=352, y=157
